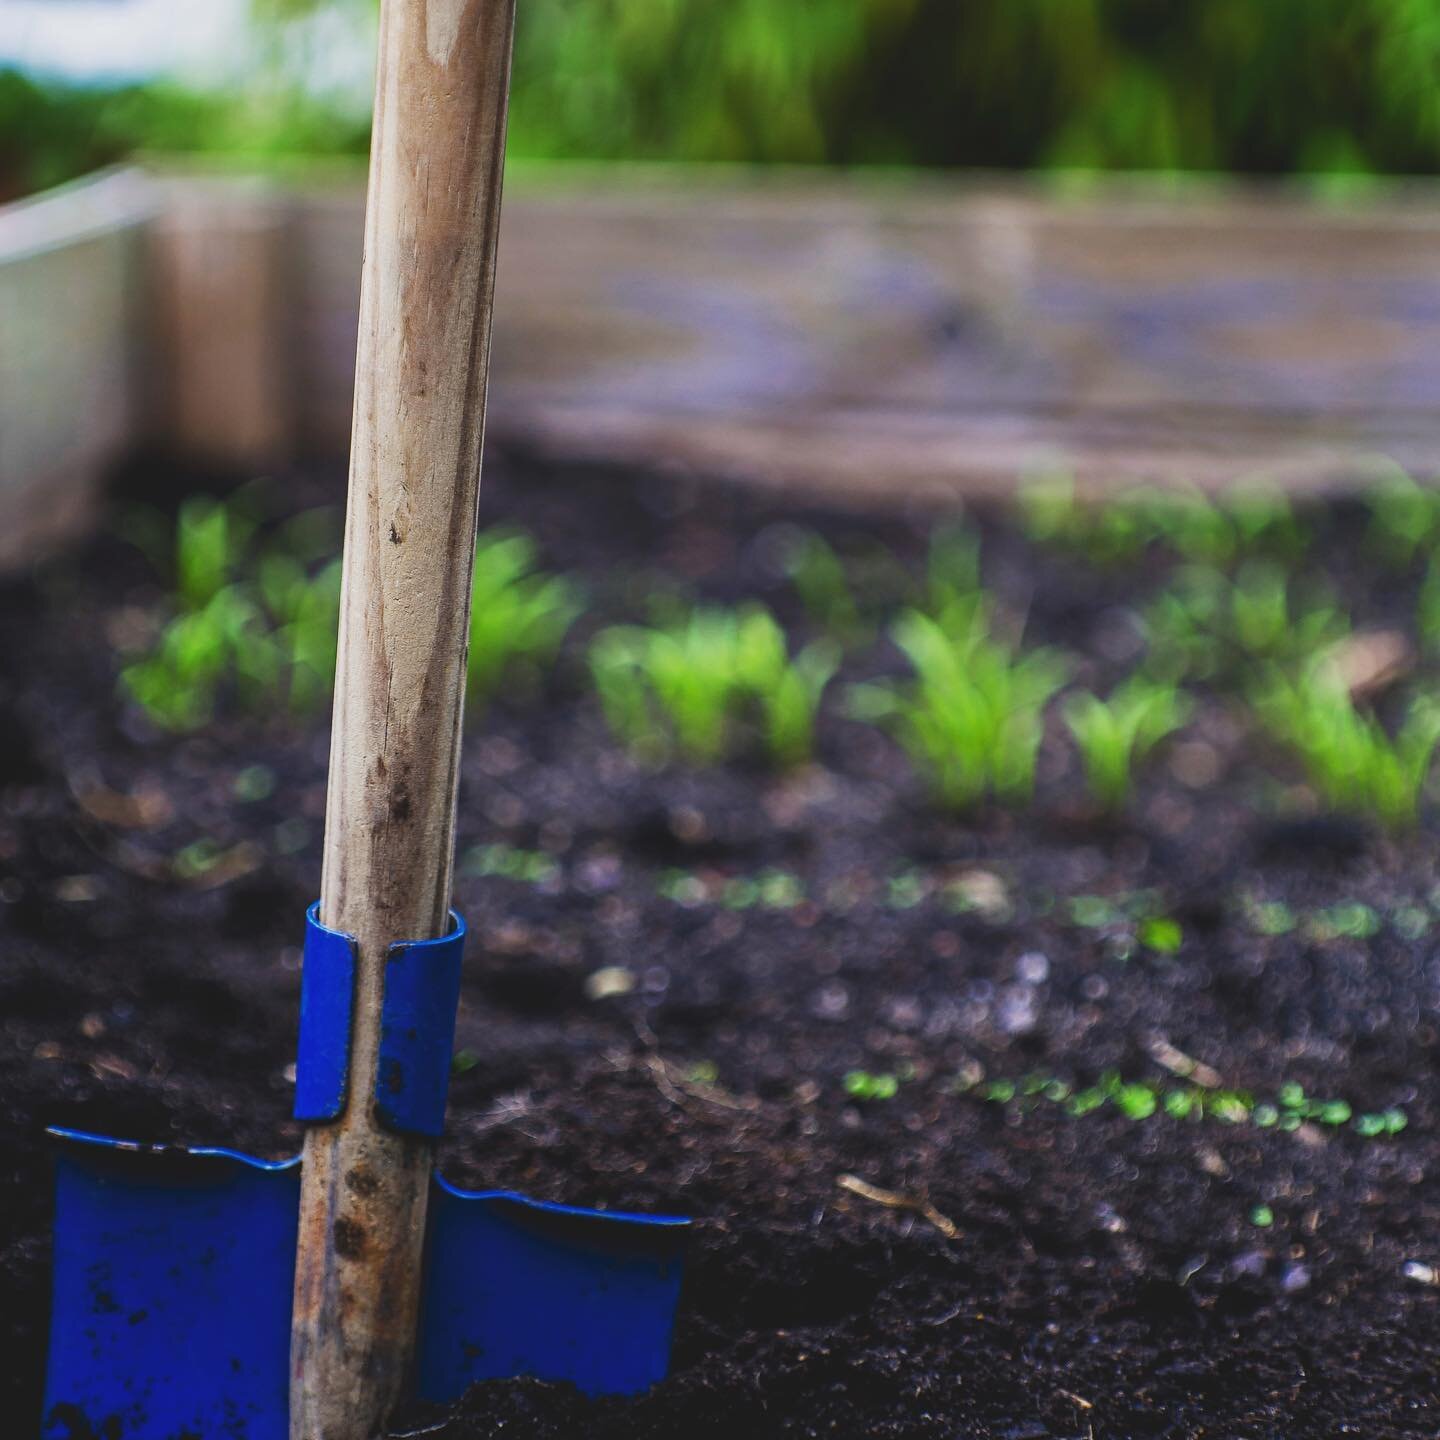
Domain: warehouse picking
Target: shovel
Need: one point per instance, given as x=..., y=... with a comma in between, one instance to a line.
x=200, y=1294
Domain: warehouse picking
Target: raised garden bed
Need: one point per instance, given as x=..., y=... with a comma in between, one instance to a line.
x=1015, y=1122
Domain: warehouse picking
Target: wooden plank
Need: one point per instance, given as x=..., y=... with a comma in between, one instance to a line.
x=71, y=267
x=219, y=256
x=935, y=335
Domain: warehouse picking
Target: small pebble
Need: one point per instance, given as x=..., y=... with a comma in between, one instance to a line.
x=1419, y=1272
x=1032, y=968
x=1017, y=1011
x=609, y=981
x=1295, y=1278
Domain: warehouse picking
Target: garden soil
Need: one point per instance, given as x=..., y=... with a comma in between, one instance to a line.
x=642, y=1029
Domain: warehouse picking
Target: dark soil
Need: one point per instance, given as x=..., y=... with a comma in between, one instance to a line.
x=1108, y=1278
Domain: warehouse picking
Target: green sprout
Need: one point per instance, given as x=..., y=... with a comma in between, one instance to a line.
x=1250, y=518
x=1105, y=533
x=211, y=541
x=1113, y=531
x=1206, y=622
x=255, y=620
x=1427, y=608
x=862, y=1085
x=177, y=680
x=686, y=684
x=820, y=579
x=1353, y=763
x=1140, y=1100
x=1160, y=933
x=1404, y=517
x=972, y=718
x=1116, y=735
x=518, y=615
x=529, y=867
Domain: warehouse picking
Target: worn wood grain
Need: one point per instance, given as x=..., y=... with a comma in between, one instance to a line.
x=432, y=220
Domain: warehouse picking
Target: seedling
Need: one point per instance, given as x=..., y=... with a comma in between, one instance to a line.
x=1141, y=1100
x=211, y=540
x=1249, y=518
x=820, y=579
x=1116, y=735
x=1133, y=919
x=530, y=867
x=686, y=685
x=1404, y=517
x=1106, y=534
x=1206, y=623
x=972, y=718
x=1427, y=608
x=1353, y=763
x=768, y=890
x=518, y=616
x=1200, y=530
x=257, y=622
x=177, y=681
x=862, y=1085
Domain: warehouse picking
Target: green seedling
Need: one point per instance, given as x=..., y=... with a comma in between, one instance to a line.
x=518, y=615
x=211, y=543
x=1140, y=1100
x=1116, y=735
x=1200, y=530
x=529, y=867
x=862, y=1085
x=1206, y=623
x=253, y=784
x=1427, y=608
x=1105, y=533
x=256, y=620
x=1250, y=518
x=1404, y=518
x=1134, y=918
x=972, y=718
x=1271, y=917
x=686, y=685
x=1349, y=920
x=1160, y=933
x=305, y=612
x=227, y=640
x=767, y=890
x=1352, y=762
x=820, y=579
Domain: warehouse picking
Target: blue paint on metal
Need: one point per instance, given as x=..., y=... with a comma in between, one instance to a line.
x=172, y=1291
x=417, y=1031
x=327, y=1007
x=174, y=1272
x=520, y=1287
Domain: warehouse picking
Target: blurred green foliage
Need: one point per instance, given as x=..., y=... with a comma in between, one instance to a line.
x=1284, y=86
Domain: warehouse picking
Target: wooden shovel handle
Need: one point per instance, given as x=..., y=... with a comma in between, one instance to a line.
x=430, y=233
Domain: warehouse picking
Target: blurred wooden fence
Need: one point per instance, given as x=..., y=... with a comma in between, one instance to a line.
x=885, y=336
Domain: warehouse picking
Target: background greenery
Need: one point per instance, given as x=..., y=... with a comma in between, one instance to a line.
x=1250, y=86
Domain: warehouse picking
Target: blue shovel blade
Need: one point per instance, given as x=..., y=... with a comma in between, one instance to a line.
x=171, y=1294
x=174, y=1270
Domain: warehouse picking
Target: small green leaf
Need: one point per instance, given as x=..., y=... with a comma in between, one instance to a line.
x=1161, y=934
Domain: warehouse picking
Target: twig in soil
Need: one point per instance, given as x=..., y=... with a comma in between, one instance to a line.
x=1177, y=1062
x=675, y=1087
x=898, y=1200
